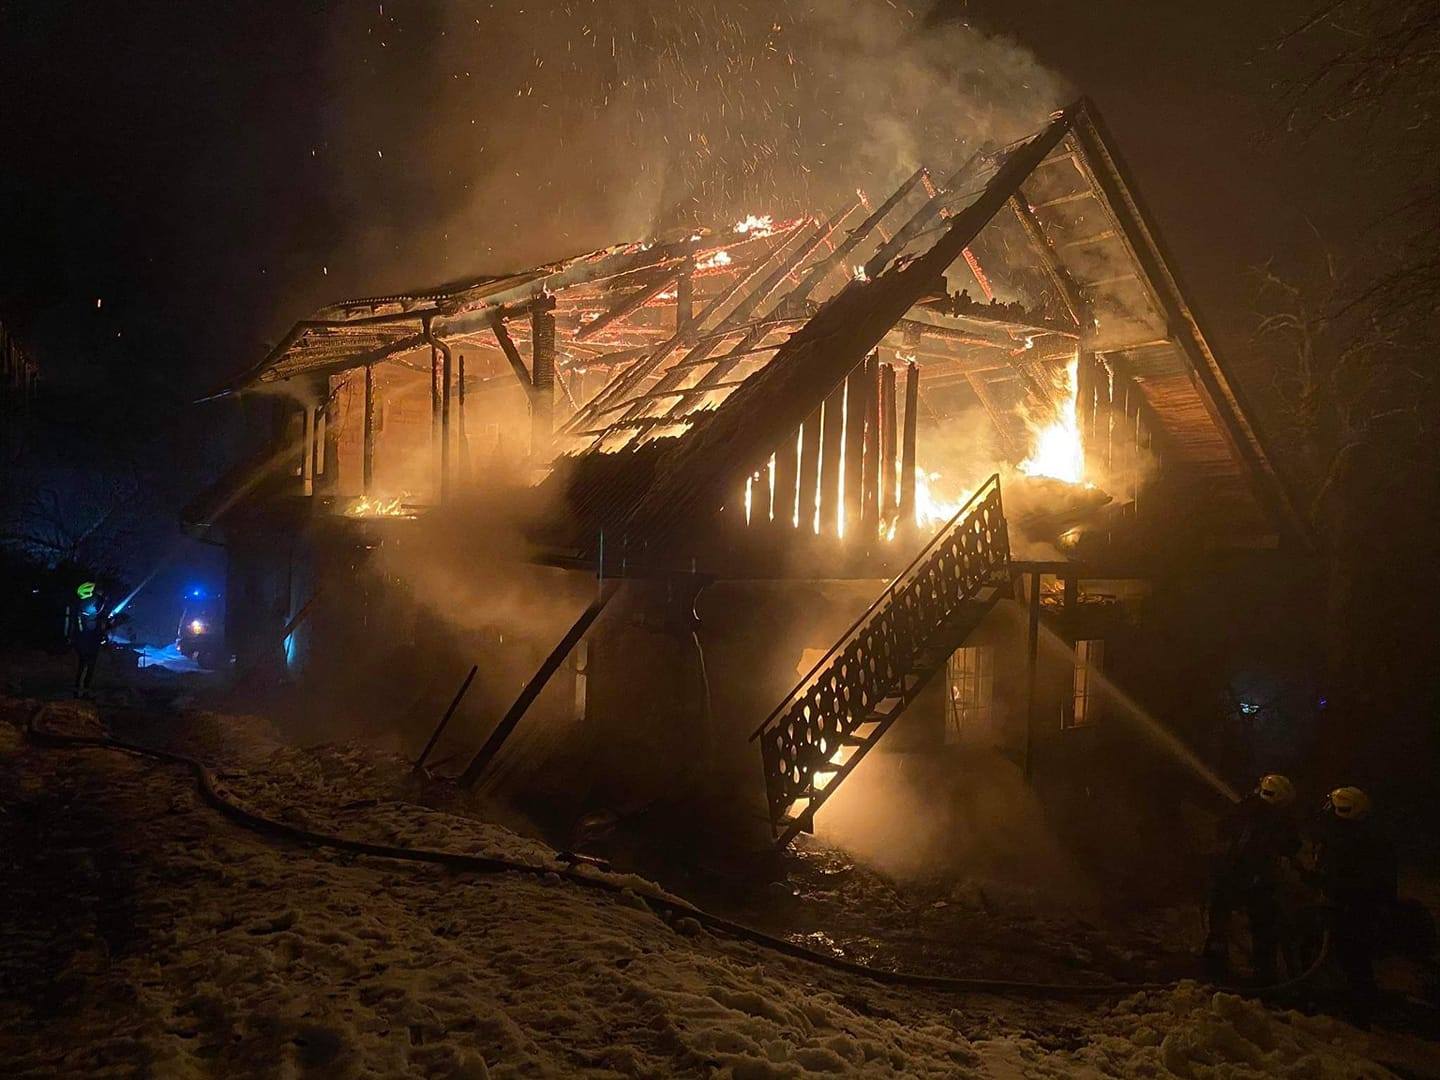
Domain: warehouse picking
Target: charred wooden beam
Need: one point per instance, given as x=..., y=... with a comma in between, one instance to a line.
x=368, y=468
x=330, y=442
x=908, y=448
x=809, y=471
x=1071, y=294
x=787, y=481
x=463, y=441
x=870, y=491
x=307, y=451
x=620, y=387
x=537, y=682
x=889, y=496
x=447, y=380
x=856, y=406
x=726, y=364
x=832, y=454
x=838, y=257
x=512, y=354
x=542, y=376
x=922, y=217
x=631, y=304
x=434, y=400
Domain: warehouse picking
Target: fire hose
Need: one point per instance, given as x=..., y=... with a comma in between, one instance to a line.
x=666, y=907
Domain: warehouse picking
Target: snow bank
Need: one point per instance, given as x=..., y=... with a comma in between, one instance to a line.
x=1196, y=1033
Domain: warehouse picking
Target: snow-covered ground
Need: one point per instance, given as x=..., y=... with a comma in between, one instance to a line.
x=146, y=936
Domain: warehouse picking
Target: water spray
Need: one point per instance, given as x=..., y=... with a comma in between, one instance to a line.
x=1167, y=739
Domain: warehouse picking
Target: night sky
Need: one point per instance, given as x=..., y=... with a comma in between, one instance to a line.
x=182, y=182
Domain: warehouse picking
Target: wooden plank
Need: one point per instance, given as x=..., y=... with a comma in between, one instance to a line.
x=831, y=478
x=809, y=471
x=787, y=482
x=368, y=466
x=870, y=491
x=907, y=446
x=628, y=306
x=856, y=401
x=1070, y=292
x=889, y=445
x=307, y=452
x=542, y=378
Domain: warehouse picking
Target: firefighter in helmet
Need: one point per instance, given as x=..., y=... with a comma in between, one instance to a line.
x=88, y=626
x=1259, y=833
x=1356, y=869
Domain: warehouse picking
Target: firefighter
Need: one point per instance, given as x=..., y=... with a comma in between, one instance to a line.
x=1259, y=834
x=89, y=623
x=1356, y=869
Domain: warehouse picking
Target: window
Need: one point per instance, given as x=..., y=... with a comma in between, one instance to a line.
x=1089, y=661
x=972, y=688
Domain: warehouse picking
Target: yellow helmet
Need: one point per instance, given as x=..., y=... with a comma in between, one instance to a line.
x=85, y=590
x=1276, y=789
x=1349, y=803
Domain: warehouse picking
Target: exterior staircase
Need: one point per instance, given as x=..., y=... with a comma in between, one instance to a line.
x=842, y=708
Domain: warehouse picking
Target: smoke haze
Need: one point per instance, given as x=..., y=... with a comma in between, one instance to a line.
x=470, y=137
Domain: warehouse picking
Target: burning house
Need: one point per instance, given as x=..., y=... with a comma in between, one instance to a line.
x=890, y=450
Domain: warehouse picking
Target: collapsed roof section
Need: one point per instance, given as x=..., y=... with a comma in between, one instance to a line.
x=714, y=344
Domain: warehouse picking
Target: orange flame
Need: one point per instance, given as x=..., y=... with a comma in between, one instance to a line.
x=1056, y=448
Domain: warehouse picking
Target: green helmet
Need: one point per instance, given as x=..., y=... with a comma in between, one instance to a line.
x=85, y=590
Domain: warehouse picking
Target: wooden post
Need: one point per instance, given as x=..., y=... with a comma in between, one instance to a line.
x=1032, y=658
x=809, y=471
x=787, y=482
x=907, y=446
x=854, y=450
x=368, y=459
x=463, y=442
x=831, y=477
x=434, y=395
x=889, y=495
x=870, y=492
x=446, y=379
x=532, y=689
x=330, y=447
x=307, y=454
x=542, y=381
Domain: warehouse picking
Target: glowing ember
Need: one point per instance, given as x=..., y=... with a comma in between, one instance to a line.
x=720, y=258
x=755, y=225
x=1057, y=451
x=377, y=506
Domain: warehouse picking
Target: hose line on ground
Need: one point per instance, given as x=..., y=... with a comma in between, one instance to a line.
x=662, y=905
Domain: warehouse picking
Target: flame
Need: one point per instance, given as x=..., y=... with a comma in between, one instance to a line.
x=756, y=225
x=379, y=506
x=1056, y=450
x=931, y=510
x=720, y=258
x=858, y=273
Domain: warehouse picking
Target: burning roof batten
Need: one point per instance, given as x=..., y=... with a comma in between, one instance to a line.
x=1154, y=331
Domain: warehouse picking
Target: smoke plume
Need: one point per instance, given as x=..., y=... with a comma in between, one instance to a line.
x=470, y=137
